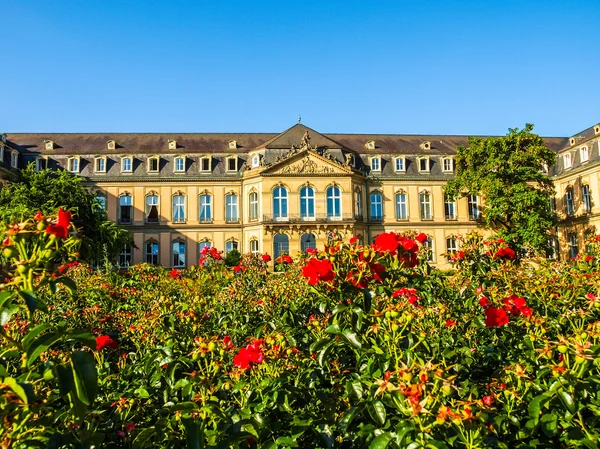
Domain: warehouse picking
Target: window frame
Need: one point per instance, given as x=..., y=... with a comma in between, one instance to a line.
x=253, y=208
x=208, y=159
x=426, y=205
x=227, y=162
x=126, y=158
x=176, y=160
x=234, y=206
x=254, y=242
x=120, y=216
x=451, y=247
x=125, y=254
x=396, y=161
x=336, y=200
x=280, y=203
x=38, y=161
x=182, y=260
x=451, y=162
x=151, y=255
x=372, y=161
x=586, y=198
x=587, y=154
x=569, y=201
x=149, y=164
x=569, y=158
x=473, y=207
x=175, y=208
x=358, y=204
x=399, y=204
x=234, y=245
x=450, y=206
x=97, y=160
x=148, y=208
x=70, y=164
x=207, y=206
x=573, y=245
x=425, y=159
x=373, y=205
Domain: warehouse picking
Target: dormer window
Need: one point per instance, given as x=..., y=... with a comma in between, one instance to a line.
x=172, y=144
x=232, y=144
x=400, y=164
x=584, y=154
x=100, y=164
x=425, y=145
x=179, y=164
x=448, y=165
x=596, y=130
x=205, y=163
x=153, y=164
x=41, y=164
x=255, y=161
x=48, y=145
x=14, y=159
x=111, y=145
x=567, y=160
x=370, y=145
x=3, y=138
x=232, y=163
x=127, y=164
x=375, y=163
x=572, y=141
x=73, y=164
x=424, y=164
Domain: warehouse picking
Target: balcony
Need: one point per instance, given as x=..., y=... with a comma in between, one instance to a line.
x=232, y=220
x=316, y=218
x=376, y=218
x=205, y=220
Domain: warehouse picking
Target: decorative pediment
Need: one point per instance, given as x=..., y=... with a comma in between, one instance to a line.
x=307, y=162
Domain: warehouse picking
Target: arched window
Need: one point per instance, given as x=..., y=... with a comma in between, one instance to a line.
x=281, y=245
x=178, y=209
x=151, y=252
x=125, y=209
x=586, y=198
x=334, y=203
x=569, y=202
x=473, y=202
x=254, y=246
x=231, y=208
x=72, y=163
x=307, y=203
x=376, y=206
x=425, y=205
x=451, y=247
x=230, y=245
x=178, y=254
x=125, y=259
x=308, y=241
x=127, y=164
x=401, y=206
x=180, y=164
x=253, y=206
x=152, y=209
x=280, y=209
x=203, y=244
x=100, y=164
x=205, y=215
x=573, y=246
x=449, y=208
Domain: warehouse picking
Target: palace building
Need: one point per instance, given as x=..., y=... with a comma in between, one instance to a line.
x=284, y=193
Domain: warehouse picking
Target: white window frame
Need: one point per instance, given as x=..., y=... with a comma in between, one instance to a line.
x=181, y=259
x=569, y=199
x=584, y=151
x=335, y=197
x=255, y=161
x=427, y=161
x=473, y=207
x=201, y=164
x=230, y=245
x=398, y=203
x=449, y=206
x=38, y=164
x=14, y=159
x=126, y=255
x=450, y=161
x=178, y=211
x=308, y=196
x=567, y=160
x=149, y=164
x=430, y=244
x=73, y=164
x=97, y=160
x=374, y=204
x=358, y=206
x=176, y=161
x=205, y=204
x=151, y=255
x=451, y=247
x=375, y=163
x=573, y=245
x=126, y=158
x=401, y=160
x=152, y=202
x=253, y=210
x=235, y=160
x=586, y=198
x=232, y=202
x=281, y=197
x=130, y=205
x=253, y=245
x=426, y=205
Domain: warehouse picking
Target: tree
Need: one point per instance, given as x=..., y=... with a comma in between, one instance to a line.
x=48, y=190
x=508, y=174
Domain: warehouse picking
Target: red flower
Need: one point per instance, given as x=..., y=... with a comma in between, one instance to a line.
x=249, y=354
x=450, y=323
x=104, y=341
x=238, y=268
x=495, y=317
x=61, y=228
x=505, y=253
x=227, y=342
x=458, y=256
x=589, y=258
x=484, y=302
x=129, y=427
x=266, y=258
x=421, y=238
x=311, y=250
x=284, y=259
x=378, y=271
x=39, y=216
x=388, y=241
x=488, y=401
x=410, y=245
x=318, y=270
x=353, y=240
x=6, y=241
x=174, y=273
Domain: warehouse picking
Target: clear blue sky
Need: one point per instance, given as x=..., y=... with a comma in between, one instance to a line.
x=436, y=67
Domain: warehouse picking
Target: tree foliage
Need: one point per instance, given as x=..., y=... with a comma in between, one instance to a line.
x=508, y=174
x=48, y=190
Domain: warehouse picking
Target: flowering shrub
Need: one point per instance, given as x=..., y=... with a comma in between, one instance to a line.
x=351, y=346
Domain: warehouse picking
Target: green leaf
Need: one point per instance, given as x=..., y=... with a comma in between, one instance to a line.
x=436, y=444
x=141, y=393
x=65, y=379
x=34, y=333
x=352, y=338
x=17, y=388
x=287, y=441
x=31, y=300
x=382, y=441
x=40, y=345
x=348, y=418
x=7, y=312
x=549, y=424
x=568, y=402
x=4, y=297
x=324, y=353
x=536, y=404
x=356, y=388
x=68, y=283
x=193, y=434
x=85, y=375
x=319, y=344
x=333, y=329
x=377, y=411
x=84, y=337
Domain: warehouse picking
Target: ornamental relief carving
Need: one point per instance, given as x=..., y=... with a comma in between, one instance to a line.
x=306, y=165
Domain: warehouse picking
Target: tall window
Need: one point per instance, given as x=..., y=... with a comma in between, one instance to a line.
x=205, y=209
x=281, y=245
x=401, y=206
x=152, y=209
x=14, y=160
x=180, y=164
x=358, y=204
x=376, y=206
x=425, y=205
x=584, y=154
x=230, y=246
x=253, y=206
x=567, y=160
x=334, y=203
x=232, y=163
x=473, y=203
x=41, y=164
x=569, y=202
x=125, y=259
x=231, y=208
x=125, y=204
x=203, y=244
x=178, y=254
x=451, y=247
x=151, y=252
x=448, y=165
x=552, y=252
x=307, y=203
x=375, y=164
x=573, y=247
x=126, y=164
x=280, y=209
x=205, y=164
x=424, y=164
x=153, y=164
x=179, y=209
x=254, y=246
x=72, y=164
x=399, y=164
x=449, y=208
x=586, y=197
x=100, y=166
x=308, y=241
